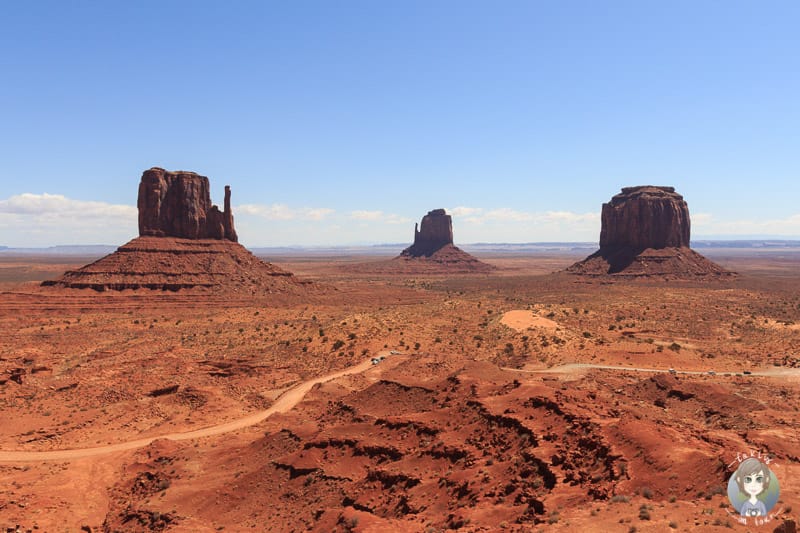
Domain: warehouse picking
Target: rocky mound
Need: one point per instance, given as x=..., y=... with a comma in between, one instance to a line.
x=167, y=263
x=672, y=262
x=448, y=258
x=185, y=242
x=645, y=232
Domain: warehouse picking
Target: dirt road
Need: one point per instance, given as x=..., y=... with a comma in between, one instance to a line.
x=293, y=396
x=576, y=367
x=284, y=403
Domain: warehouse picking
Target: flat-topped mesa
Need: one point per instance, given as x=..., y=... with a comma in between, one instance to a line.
x=178, y=204
x=435, y=232
x=645, y=232
x=645, y=217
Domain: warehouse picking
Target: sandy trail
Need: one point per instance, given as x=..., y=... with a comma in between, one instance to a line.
x=577, y=367
x=284, y=403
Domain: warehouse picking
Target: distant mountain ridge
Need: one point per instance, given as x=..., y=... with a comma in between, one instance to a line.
x=394, y=248
x=66, y=249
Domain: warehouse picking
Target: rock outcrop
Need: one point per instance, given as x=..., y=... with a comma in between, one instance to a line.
x=172, y=264
x=645, y=217
x=435, y=231
x=185, y=243
x=645, y=232
x=433, y=250
x=178, y=204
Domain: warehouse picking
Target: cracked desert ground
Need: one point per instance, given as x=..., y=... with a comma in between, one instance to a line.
x=478, y=418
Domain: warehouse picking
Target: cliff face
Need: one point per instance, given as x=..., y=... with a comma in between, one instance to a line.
x=645, y=217
x=435, y=232
x=178, y=204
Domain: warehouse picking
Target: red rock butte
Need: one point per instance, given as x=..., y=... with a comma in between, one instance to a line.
x=433, y=247
x=178, y=204
x=645, y=232
x=185, y=242
x=435, y=232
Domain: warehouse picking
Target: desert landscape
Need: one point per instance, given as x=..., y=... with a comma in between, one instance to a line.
x=182, y=384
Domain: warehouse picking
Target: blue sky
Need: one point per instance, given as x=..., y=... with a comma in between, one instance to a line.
x=345, y=122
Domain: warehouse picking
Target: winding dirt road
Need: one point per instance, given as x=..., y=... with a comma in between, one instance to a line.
x=295, y=395
x=284, y=403
x=777, y=372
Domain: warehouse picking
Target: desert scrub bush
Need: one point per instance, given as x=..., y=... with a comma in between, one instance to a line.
x=644, y=512
x=620, y=498
x=675, y=347
x=338, y=343
x=716, y=489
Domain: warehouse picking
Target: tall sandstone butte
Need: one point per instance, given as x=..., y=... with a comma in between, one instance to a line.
x=645, y=217
x=433, y=249
x=178, y=204
x=184, y=242
x=645, y=232
x=435, y=232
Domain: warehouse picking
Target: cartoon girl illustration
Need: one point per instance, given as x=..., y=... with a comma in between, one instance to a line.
x=752, y=477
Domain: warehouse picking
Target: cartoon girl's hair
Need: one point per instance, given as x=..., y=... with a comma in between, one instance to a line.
x=751, y=466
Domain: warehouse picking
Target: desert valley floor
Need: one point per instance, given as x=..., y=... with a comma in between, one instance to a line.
x=490, y=410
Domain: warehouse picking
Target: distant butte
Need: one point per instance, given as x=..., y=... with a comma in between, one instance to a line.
x=433, y=247
x=436, y=231
x=184, y=242
x=645, y=232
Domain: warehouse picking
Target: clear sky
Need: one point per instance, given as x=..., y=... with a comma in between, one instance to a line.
x=344, y=122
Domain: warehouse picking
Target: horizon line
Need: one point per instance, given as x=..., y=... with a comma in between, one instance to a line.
x=726, y=239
